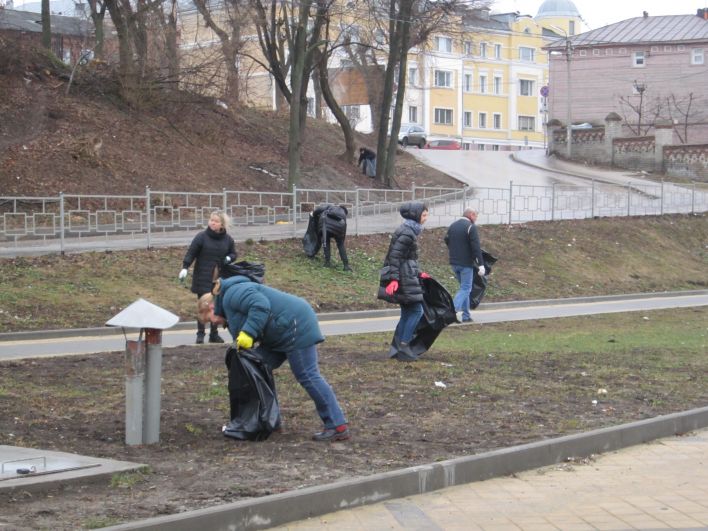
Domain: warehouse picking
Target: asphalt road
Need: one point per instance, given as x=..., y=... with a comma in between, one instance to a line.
x=88, y=341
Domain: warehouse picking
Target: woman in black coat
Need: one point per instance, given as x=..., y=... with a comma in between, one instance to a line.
x=400, y=276
x=209, y=250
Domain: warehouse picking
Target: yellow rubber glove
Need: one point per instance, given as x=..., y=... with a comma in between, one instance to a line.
x=244, y=340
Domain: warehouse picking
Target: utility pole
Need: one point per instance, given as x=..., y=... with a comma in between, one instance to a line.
x=568, y=120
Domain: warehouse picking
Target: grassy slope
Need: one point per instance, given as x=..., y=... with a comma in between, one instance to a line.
x=537, y=260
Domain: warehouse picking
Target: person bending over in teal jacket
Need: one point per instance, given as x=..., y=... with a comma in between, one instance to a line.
x=285, y=327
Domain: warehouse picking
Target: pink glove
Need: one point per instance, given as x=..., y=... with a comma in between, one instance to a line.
x=392, y=287
x=424, y=275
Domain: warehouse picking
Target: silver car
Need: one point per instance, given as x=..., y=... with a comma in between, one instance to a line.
x=413, y=135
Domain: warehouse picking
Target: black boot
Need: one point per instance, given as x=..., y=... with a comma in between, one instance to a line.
x=346, y=267
x=200, y=333
x=214, y=336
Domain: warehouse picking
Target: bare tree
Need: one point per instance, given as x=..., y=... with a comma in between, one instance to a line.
x=97, y=10
x=640, y=113
x=289, y=41
x=680, y=112
x=228, y=29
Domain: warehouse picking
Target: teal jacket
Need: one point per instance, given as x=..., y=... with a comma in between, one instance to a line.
x=280, y=321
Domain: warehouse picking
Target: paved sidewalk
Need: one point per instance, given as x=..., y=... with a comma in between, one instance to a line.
x=659, y=485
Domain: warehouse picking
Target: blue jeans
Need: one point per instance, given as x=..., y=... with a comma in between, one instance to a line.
x=303, y=363
x=410, y=316
x=461, y=300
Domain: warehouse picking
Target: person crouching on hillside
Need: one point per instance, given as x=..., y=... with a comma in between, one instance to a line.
x=209, y=249
x=285, y=327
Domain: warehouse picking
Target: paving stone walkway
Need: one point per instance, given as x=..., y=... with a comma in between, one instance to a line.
x=659, y=485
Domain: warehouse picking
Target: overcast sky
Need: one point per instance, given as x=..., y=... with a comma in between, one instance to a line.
x=598, y=13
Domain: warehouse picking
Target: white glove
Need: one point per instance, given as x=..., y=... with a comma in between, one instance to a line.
x=481, y=271
x=182, y=274
x=227, y=260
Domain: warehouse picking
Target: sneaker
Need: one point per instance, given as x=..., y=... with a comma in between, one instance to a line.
x=340, y=433
x=215, y=338
x=200, y=339
x=466, y=319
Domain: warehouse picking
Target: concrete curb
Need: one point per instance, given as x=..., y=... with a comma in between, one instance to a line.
x=341, y=316
x=291, y=506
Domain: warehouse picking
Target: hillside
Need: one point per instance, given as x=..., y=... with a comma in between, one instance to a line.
x=88, y=142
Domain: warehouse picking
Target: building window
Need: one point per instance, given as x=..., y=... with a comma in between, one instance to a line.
x=527, y=123
x=468, y=47
x=443, y=44
x=482, y=84
x=443, y=78
x=413, y=76
x=467, y=87
x=638, y=59
x=497, y=85
x=352, y=113
x=680, y=47
x=443, y=116
x=526, y=87
x=526, y=54
x=413, y=114
x=497, y=51
x=596, y=51
x=697, y=56
x=467, y=119
x=497, y=121
x=482, y=120
x=571, y=27
x=583, y=53
x=483, y=49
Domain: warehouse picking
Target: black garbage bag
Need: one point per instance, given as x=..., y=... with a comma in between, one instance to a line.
x=438, y=312
x=311, y=242
x=252, y=270
x=255, y=413
x=479, y=285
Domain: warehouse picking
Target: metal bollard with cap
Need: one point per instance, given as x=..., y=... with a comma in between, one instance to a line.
x=143, y=369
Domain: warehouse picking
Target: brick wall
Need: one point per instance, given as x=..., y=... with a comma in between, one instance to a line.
x=687, y=161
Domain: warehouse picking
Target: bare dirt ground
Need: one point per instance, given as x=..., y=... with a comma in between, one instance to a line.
x=398, y=417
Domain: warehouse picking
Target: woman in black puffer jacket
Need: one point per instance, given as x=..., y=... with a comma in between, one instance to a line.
x=400, y=276
x=210, y=249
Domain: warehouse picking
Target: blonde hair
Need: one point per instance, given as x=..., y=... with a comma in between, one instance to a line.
x=223, y=218
x=203, y=307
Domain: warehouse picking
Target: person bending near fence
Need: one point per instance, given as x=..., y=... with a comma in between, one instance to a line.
x=331, y=223
x=209, y=250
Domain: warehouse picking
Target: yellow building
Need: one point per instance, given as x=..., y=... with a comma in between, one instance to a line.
x=482, y=83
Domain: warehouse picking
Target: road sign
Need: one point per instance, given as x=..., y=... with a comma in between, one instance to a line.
x=544, y=91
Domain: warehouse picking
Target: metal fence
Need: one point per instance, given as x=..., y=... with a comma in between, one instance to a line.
x=68, y=222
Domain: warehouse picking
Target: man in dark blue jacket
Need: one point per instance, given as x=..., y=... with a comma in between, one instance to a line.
x=465, y=251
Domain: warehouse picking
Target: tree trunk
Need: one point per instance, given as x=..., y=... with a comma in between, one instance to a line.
x=405, y=14
x=331, y=102
x=46, y=25
x=297, y=73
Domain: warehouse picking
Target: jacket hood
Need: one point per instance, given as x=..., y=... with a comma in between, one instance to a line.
x=412, y=211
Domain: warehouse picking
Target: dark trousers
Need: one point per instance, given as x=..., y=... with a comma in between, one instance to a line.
x=327, y=250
